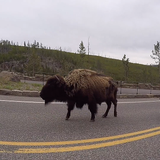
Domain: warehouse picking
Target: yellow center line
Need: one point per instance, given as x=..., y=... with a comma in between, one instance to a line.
x=85, y=147
x=76, y=141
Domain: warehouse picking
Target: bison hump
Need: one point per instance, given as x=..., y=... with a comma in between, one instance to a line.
x=83, y=79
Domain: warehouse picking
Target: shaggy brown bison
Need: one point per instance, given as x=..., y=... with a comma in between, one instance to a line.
x=79, y=87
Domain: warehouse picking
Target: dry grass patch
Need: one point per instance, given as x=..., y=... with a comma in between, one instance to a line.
x=4, y=84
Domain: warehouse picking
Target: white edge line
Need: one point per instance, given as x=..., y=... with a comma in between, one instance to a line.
x=139, y=102
x=34, y=102
x=13, y=101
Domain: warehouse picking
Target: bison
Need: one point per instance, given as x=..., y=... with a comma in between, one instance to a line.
x=79, y=87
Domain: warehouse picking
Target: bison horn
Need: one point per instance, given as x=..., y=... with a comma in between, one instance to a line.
x=57, y=77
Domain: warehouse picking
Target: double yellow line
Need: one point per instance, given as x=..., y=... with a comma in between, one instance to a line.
x=78, y=145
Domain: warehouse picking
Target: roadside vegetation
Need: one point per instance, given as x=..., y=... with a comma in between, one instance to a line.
x=19, y=86
x=36, y=58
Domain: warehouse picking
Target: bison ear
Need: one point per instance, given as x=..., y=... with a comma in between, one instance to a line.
x=69, y=88
x=55, y=81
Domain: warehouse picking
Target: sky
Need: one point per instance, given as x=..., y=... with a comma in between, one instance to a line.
x=111, y=28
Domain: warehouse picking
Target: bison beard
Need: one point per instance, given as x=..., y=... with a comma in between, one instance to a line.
x=79, y=87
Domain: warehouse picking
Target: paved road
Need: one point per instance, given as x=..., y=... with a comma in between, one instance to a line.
x=26, y=120
x=33, y=82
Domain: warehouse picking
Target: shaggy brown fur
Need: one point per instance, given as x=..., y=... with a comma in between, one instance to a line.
x=79, y=87
x=86, y=79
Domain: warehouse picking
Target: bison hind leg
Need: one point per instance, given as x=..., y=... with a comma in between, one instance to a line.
x=108, y=102
x=115, y=108
x=93, y=109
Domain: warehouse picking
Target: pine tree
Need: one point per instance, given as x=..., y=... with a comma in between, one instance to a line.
x=156, y=54
x=125, y=61
x=82, y=49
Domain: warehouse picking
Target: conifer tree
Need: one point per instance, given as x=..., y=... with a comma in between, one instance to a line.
x=125, y=61
x=156, y=54
x=82, y=49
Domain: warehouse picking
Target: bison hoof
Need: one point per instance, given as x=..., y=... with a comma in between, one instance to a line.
x=104, y=116
x=92, y=120
x=66, y=119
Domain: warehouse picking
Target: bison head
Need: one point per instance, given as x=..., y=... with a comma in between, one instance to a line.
x=54, y=89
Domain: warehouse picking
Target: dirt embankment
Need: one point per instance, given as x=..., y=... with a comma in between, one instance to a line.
x=9, y=76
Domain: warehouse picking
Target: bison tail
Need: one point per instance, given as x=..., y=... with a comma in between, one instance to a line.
x=112, y=89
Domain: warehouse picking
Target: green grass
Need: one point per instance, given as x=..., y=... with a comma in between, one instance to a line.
x=19, y=86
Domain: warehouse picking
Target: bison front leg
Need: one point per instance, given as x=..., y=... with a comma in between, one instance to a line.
x=93, y=109
x=70, y=105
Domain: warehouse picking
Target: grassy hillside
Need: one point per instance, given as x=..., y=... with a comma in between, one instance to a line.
x=33, y=58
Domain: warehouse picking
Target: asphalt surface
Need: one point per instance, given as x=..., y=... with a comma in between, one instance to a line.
x=26, y=119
